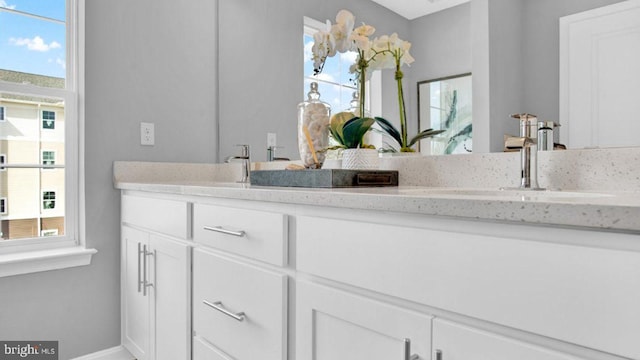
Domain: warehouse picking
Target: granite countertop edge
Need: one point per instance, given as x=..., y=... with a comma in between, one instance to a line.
x=617, y=212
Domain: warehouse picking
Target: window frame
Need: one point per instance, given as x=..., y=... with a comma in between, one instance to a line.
x=28, y=253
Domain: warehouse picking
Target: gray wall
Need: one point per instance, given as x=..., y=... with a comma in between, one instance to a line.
x=253, y=71
x=146, y=60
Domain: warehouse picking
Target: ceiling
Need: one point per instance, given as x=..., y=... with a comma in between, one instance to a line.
x=412, y=9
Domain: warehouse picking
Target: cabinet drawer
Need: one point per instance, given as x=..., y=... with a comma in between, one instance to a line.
x=204, y=351
x=583, y=295
x=238, y=288
x=459, y=342
x=255, y=234
x=165, y=216
x=332, y=324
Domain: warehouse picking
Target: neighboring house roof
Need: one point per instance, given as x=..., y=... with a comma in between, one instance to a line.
x=25, y=78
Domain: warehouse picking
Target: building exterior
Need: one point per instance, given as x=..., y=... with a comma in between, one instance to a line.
x=32, y=130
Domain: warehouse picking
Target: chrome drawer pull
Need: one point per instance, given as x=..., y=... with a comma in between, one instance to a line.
x=218, y=306
x=438, y=355
x=145, y=282
x=407, y=351
x=139, y=268
x=222, y=230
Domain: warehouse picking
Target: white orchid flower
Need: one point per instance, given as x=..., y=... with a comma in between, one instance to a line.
x=345, y=21
x=360, y=36
x=323, y=47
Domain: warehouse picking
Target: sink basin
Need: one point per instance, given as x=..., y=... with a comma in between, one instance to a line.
x=501, y=193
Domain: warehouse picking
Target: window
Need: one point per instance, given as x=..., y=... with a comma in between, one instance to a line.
x=48, y=200
x=335, y=83
x=48, y=120
x=3, y=206
x=40, y=86
x=48, y=158
x=3, y=160
x=2, y=113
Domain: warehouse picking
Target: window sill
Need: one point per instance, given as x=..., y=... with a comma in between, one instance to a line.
x=46, y=260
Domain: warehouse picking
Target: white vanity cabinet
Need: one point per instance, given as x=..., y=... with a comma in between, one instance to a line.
x=239, y=289
x=337, y=325
x=453, y=341
x=155, y=279
x=273, y=281
x=578, y=287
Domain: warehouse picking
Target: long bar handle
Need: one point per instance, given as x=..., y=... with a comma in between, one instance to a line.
x=218, y=306
x=407, y=351
x=222, y=230
x=146, y=283
x=139, y=268
x=437, y=355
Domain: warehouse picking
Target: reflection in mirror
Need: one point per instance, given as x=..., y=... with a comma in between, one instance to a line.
x=446, y=104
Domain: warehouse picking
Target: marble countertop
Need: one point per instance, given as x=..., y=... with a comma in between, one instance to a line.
x=606, y=210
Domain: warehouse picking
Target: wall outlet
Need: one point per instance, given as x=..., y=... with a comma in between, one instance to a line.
x=147, y=134
x=271, y=139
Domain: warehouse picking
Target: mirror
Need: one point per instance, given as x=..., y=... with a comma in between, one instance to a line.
x=514, y=61
x=520, y=65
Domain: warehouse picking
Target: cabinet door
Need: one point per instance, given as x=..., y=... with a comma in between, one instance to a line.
x=135, y=322
x=335, y=325
x=171, y=298
x=459, y=342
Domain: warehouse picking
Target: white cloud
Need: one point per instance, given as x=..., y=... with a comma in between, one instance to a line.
x=62, y=63
x=35, y=44
x=5, y=5
x=349, y=57
x=325, y=77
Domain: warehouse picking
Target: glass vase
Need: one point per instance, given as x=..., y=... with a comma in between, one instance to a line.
x=313, y=129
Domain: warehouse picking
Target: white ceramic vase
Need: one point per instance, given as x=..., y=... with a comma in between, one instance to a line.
x=361, y=159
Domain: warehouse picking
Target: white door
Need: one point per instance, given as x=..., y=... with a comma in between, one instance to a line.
x=335, y=325
x=458, y=342
x=135, y=322
x=600, y=77
x=171, y=295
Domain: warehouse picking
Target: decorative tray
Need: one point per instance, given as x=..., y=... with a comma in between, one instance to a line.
x=324, y=178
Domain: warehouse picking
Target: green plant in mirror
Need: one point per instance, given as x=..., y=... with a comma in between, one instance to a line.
x=348, y=130
x=405, y=144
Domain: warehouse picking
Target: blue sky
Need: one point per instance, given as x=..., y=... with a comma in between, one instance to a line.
x=32, y=45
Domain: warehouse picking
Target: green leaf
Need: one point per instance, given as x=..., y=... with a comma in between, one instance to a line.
x=337, y=123
x=353, y=131
x=423, y=135
x=389, y=129
x=453, y=110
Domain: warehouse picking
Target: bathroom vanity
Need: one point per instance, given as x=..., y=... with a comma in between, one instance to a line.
x=414, y=272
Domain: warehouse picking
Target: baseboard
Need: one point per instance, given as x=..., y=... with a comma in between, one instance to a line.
x=114, y=353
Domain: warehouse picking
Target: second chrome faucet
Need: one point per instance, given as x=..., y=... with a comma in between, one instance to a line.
x=245, y=157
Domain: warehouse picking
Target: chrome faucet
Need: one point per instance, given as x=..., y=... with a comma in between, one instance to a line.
x=246, y=162
x=271, y=154
x=528, y=145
